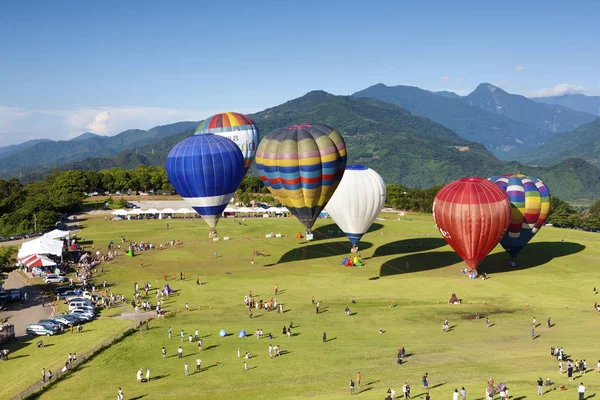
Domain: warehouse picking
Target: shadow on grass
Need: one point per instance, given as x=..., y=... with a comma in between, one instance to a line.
x=212, y=346
x=332, y=231
x=138, y=397
x=409, y=246
x=159, y=377
x=534, y=255
x=319, y=250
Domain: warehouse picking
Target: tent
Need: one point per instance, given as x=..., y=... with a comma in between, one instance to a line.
x=152, y=211
x=37, y=261
x=244, y=210
x=56, y=234
x=135, y=211
x=273, y=209
x=184, y=211
x=168, y=211
x=119, y=212
x=40, y=246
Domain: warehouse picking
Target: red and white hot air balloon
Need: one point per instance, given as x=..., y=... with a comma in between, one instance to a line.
x=472, y=214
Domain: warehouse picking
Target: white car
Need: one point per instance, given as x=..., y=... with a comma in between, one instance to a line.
x=83, y=313
x=52, y=278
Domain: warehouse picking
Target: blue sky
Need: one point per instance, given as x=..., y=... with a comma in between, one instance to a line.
x=69, y=67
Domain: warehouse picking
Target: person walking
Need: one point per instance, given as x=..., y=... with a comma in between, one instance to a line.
x=43, y=375
x=187, y=369
x=581, y=391
x=425, y=381
x=351, y=386
x=540, y=385
x=358, y=379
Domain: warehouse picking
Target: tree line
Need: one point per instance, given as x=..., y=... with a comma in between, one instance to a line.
x=39, y=205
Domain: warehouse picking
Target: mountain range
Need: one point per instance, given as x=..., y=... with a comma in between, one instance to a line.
x=404, y=148
x=503, y=122
x=579, y=102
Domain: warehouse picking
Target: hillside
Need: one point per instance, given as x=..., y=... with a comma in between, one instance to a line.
x=499, y=134
x=583, y=142
x=8, y=150
x=579, y=102
x=552, y=118
x=52, y=153
x=402, y=147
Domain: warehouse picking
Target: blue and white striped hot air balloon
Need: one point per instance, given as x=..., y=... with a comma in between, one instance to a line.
x=357, y=201
x=206, y=170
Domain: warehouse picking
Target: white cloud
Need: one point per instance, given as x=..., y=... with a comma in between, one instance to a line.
x=445, y=78
x=558, y=90
x=64, y=124
x=519, y=68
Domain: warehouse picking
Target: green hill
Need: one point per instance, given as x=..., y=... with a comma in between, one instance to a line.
x=583, y=142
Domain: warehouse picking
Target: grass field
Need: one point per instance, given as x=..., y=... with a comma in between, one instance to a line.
x=406, y=261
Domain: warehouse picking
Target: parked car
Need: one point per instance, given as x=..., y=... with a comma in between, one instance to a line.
x=52, y=278
x=41, y=330
x=64, y=321
x=78, y=303
x=14, y=294
x=60, y=289
x=82, y=300
x=67, y=295
x=3, y=296
x=50, y=324
x=83, y=314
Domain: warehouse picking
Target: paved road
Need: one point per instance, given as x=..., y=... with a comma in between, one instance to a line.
x=30, y=311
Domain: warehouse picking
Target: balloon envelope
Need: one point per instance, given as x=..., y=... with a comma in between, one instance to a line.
x=302, y=165
x=472, y=214
x=222, y=333
x=236, y=127
x=206, y=170
x=242, y=333
x=530, y=206
x=357, y=201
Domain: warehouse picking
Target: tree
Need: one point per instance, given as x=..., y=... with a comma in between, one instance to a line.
x=7, y=258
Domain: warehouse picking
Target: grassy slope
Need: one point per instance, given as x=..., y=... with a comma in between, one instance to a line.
x=553, y=275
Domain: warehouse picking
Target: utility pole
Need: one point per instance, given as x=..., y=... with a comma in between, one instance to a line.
x=35, y=223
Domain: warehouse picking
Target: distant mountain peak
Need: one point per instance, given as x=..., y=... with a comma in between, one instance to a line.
x=86, y=135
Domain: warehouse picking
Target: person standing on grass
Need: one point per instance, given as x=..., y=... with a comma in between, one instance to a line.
x=198, y=364
x=148, y=375
x=532, y=333
x=581, y=391
x=139, y=376
x=270, y=351
x=324, y=337
x=549, y=323
x=196, y=334
x=455, y=394
x=425, y=381
x=540, y=385
x=169, y=332
x=534, y=322
x=358, y=379
x=186, y=369
x=179, y=352
x=487, y=322
x=351, y=386
x=164, y=352
x=463, y=393
x=43, y=375
x=120, y=394
x=181, y=335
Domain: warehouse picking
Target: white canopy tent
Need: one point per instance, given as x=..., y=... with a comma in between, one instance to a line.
x=184, y=211
x=244, y=210
x=152, y=211
x=56, y=234
x=273, y=209
x=135, y=211
x=119, y=212
x=167, y=211
x=230, y=210
x=40, y=246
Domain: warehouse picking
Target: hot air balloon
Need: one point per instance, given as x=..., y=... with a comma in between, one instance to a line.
x=206, y=170
x=530, y=201
x=302, y=165
x=234, y=126
x=357, y=201
x=472, y=214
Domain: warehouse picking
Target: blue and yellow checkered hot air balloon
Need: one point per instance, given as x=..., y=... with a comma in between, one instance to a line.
x=302, y=165
x=530, y=206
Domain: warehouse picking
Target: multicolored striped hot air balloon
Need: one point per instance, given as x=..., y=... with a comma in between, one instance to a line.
x=234, y=126
x=472, y=214
x=302, y=165
x=206, y=170
x=530, y=203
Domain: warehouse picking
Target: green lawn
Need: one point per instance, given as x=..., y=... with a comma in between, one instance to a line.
x=407, y=262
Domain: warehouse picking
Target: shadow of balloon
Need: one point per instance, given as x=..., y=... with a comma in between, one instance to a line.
x=409, y=246
x=419, y=262
x=534, y=255
x=320, y=250
x=332, y=231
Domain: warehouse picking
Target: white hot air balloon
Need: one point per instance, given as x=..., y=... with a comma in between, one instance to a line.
x=357, y=201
